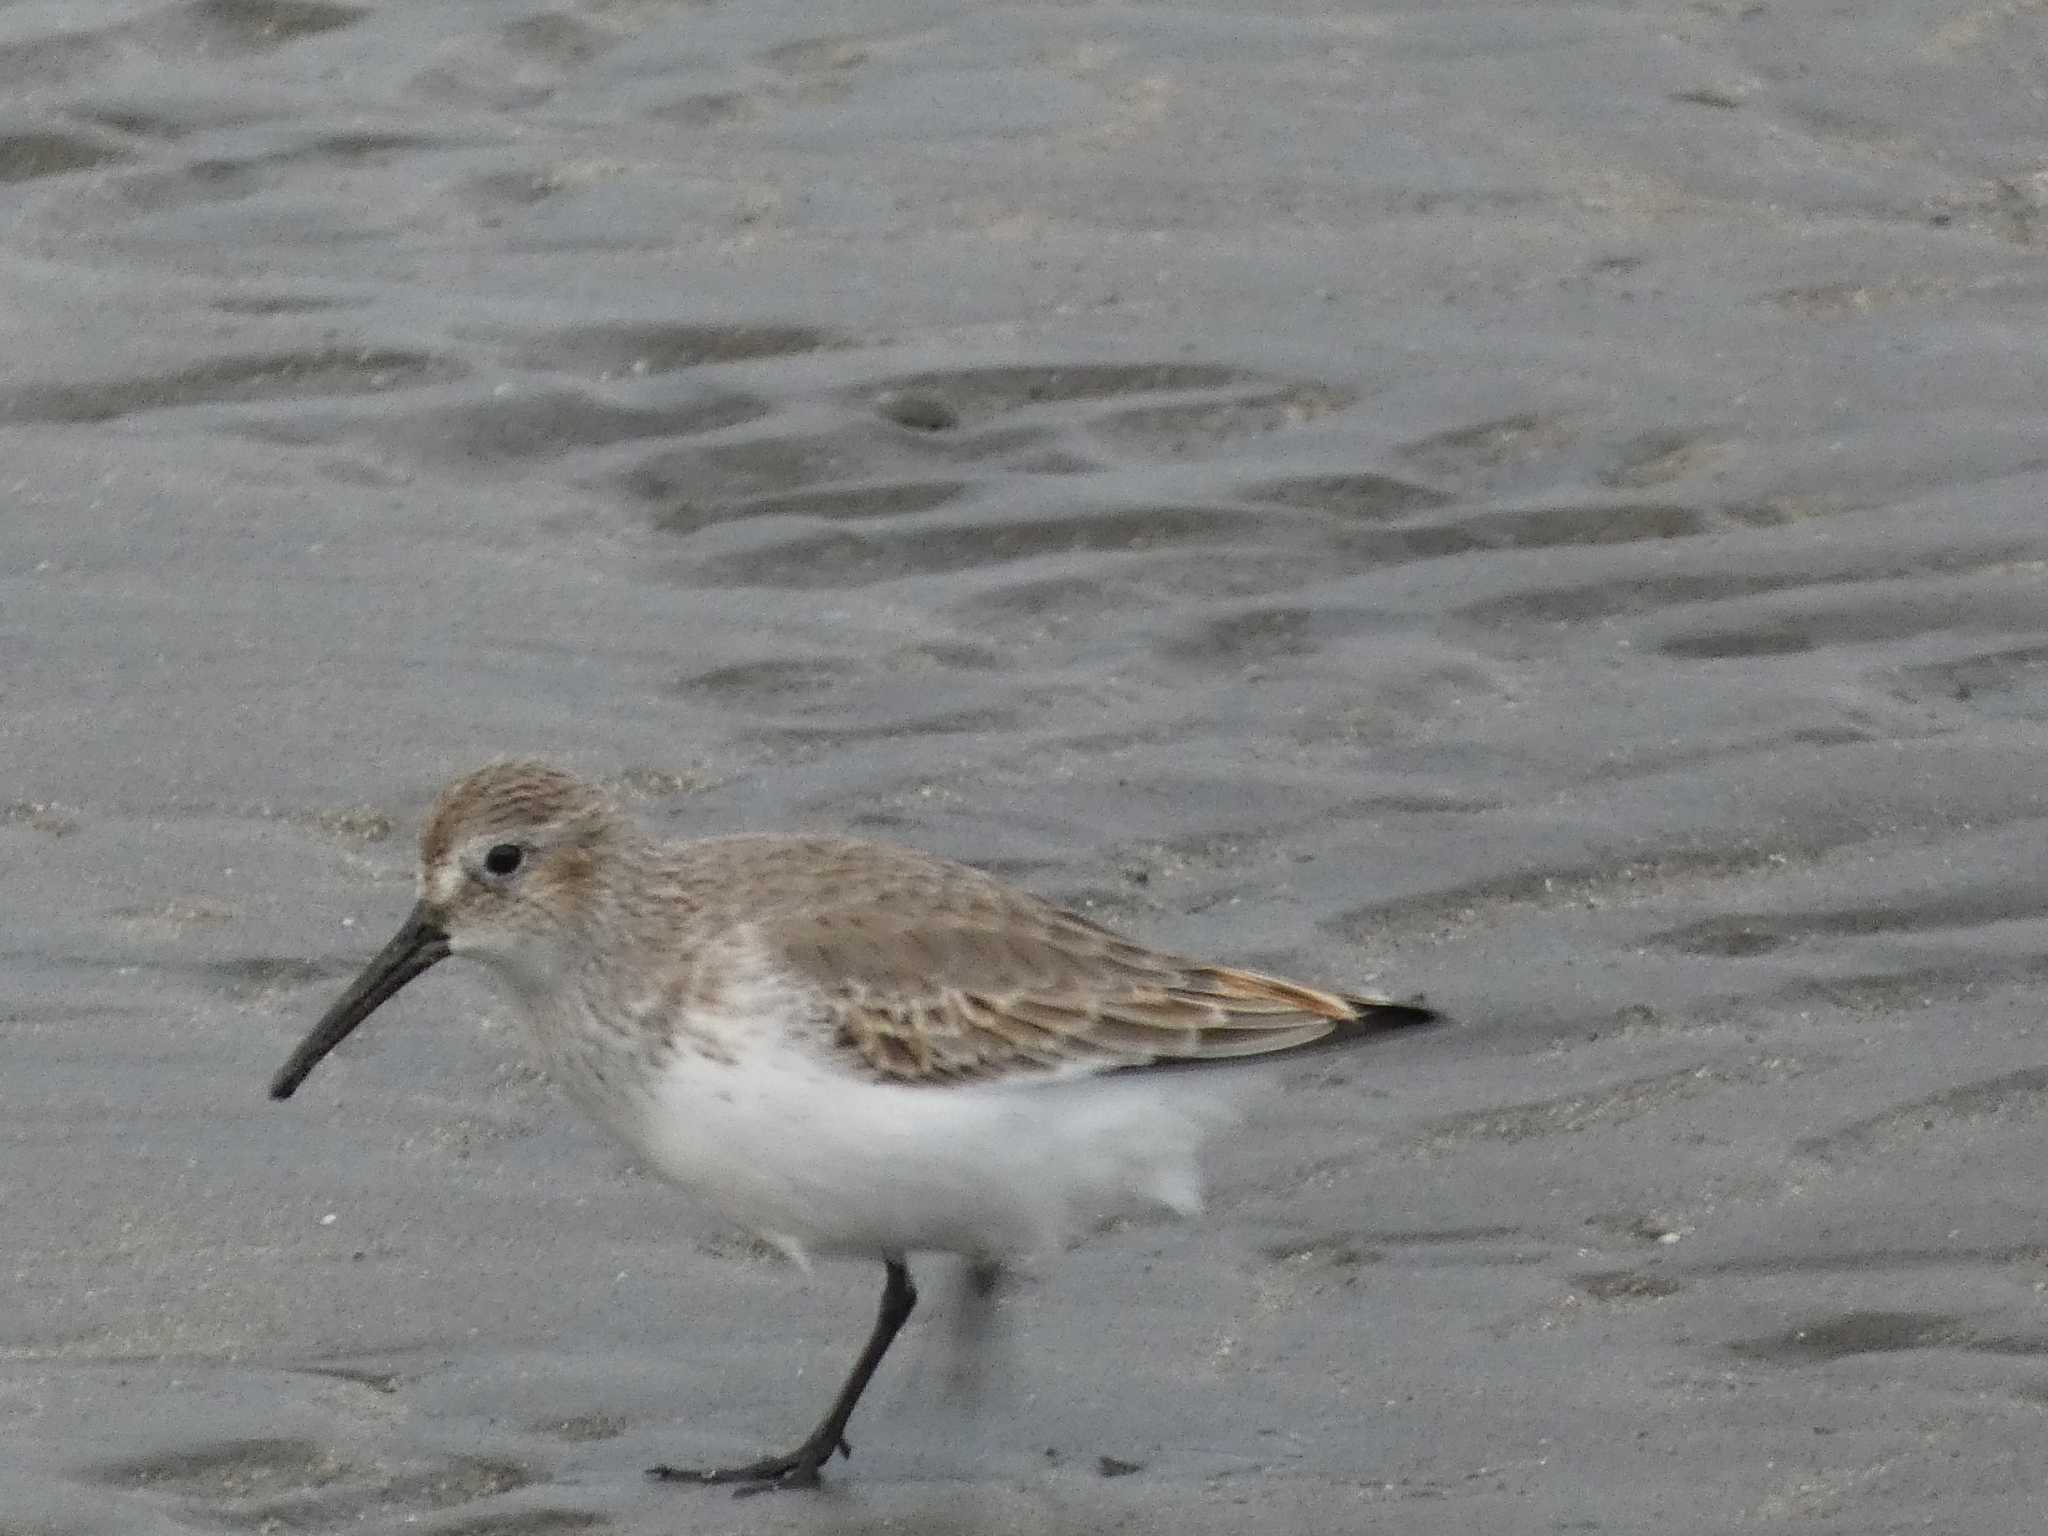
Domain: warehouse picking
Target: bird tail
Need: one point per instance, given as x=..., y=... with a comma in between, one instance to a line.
x=1265, y=1017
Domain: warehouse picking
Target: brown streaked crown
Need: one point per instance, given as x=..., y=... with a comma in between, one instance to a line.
x=513, y=795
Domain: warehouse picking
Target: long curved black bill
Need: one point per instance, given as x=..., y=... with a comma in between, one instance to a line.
x=420, y=943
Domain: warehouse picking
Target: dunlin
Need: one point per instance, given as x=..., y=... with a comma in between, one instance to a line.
x=847, y=1048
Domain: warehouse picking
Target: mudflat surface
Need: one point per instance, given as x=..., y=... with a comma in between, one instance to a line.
x=1542, y=505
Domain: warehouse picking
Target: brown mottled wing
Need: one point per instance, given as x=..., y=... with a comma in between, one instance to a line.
x=1007, y=989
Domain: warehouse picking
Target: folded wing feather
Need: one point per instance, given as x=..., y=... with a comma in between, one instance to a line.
x=1052, y=994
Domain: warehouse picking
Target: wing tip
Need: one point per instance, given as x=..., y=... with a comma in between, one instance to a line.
x=1386, y=1013
x=1348, y=1019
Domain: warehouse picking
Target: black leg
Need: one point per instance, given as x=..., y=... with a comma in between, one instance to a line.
x=985, y=1278
x=978, y=1336
x=799, y=1468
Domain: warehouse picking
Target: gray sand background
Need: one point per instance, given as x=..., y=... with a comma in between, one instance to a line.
x=1541, y=504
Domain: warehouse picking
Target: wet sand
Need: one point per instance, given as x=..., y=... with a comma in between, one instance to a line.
x=1540, y=505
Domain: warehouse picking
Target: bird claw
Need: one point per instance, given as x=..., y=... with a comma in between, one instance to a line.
x=771, y=1474
x=795, y=1477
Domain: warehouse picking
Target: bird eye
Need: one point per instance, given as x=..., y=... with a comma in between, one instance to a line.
x=504, y=858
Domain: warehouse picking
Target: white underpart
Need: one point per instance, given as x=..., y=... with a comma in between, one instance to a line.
x=817, y=1162
x=813, y=1158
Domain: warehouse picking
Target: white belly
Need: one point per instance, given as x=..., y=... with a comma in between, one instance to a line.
x=817, y=1162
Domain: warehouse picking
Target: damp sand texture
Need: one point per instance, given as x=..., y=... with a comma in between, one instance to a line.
x=1539, y=505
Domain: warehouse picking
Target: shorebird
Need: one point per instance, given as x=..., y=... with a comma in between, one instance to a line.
x=847, y=1048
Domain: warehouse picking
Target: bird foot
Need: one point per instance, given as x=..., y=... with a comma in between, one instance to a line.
x=771, y=1474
